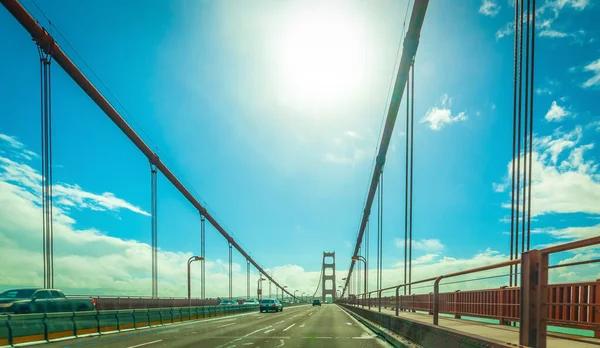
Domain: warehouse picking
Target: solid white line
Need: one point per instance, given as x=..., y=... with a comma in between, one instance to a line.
x=289, y=327
x=269, y=331
x=144, y=344
x=226, y=325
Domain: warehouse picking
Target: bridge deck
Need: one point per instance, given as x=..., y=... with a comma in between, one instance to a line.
x=498, y=332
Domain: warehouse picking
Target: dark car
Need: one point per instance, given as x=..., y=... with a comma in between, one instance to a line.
x=270, y=305
x=23, y=301
x=316, y=302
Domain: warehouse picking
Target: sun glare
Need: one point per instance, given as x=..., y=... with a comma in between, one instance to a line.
x=322, y=50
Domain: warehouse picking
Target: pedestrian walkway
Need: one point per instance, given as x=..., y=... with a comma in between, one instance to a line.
x=498, y=332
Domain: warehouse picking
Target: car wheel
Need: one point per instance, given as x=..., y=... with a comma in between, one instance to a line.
x=281, y=310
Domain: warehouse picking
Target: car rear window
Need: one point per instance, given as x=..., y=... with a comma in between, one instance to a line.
x=267, y=301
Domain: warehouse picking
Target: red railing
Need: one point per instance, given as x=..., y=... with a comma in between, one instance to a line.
x=573, y=305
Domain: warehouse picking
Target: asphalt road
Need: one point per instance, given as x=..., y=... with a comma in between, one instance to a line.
x=302, y=326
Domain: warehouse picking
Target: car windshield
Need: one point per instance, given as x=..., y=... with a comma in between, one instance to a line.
x=22, y=293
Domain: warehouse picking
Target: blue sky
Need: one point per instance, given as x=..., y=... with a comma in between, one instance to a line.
x=271, y=114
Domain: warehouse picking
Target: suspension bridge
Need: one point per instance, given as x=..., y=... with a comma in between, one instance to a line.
x=525, y=312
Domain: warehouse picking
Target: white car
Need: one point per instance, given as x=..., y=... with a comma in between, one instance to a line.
x=251, y=302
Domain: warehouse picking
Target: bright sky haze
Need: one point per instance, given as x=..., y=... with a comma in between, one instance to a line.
x=271, y=112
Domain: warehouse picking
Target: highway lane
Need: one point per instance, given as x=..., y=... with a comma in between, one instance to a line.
x=302, y=326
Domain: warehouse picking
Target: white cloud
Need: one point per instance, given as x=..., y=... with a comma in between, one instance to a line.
x=69, y=195
x=573, y=232
x=508, y=29
x=489, y=8
x=564, y=180
x=347, y=244
x=422, y=244
x=552, y=33
x=438, y=117
x=542, y=91
x=550, y=11
x=499, y=187
x=90, y=261
x=12, y=141
x=556, y=113
x=101, y=202
x=595, y=125
x=594, y=67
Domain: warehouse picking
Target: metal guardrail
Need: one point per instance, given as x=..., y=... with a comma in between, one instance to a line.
x=25, y=328
x=573, y=305
x=142, y=302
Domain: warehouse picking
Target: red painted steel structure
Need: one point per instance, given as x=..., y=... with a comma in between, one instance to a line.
x=411, y=43
x=48, y=45
x=535, y=304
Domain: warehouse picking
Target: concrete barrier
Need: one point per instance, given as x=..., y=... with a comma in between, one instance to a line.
x=154, y=316
x=86, y=323
x=140, y=318
x=125, y=319
x=26, y=328
x=108, y=320
x=4, y=333
x=423, y=334
x=59, y=325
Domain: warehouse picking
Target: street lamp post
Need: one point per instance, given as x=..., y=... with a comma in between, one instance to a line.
x=258, y=288
x=360, y=258
x=190, y=260
x=295, y=295
x=285, y=287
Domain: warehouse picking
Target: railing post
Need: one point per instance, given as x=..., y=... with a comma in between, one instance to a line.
x=534, y=278
x=436, y=299
x=596, y=310
x=397, y=299
x=501, y=306
x=379, y=300
x=456, y=315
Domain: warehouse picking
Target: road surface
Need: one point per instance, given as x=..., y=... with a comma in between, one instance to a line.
x=302, y=326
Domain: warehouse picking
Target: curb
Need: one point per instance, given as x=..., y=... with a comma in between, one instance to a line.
x=391, y=338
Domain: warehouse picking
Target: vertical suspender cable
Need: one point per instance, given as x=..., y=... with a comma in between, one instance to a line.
x=406, y=182
x=519, y=103
x=412, y=152
x=43, y=153
x=50, y=176
x=203, y=254
x=380, y=246
x=47, y=180
x=367, y=257
x=513, y=252
x=525, y=133
x=154, y=230
x=248, y=279
x=230, y=272
x=533, y=14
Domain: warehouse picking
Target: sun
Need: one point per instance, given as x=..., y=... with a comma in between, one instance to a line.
x=321, y=52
